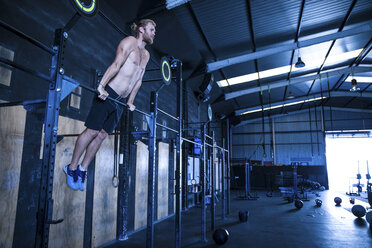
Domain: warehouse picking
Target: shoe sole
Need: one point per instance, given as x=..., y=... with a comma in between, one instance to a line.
x=80, y=180
x=65, y=170
x=81, y=184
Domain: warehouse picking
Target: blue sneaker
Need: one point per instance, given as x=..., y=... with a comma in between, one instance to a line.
x=72, y=178
x=82, y=175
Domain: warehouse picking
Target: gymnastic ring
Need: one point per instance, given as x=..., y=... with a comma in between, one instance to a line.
x=115, y=181
x=210, y=113
x=166, y=72
x=87, y=8
x=193, y=181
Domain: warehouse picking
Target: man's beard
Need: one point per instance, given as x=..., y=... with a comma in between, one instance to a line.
x=147, y=39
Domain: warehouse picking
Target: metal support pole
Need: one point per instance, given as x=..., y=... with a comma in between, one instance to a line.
x=178, y=157
x=246, y=181
x=322, y=116
x=311, y=133
x=213, y=188
x=274, y=143
x=184, y=178
x=89, y=195
x=316, y=128
x=185, y=151
x=203, y=188
x=223, y=167
x=184, y=163
x=124, y=187
x=228, y=131
x=151, y=172
x=45, y=205
x=294, y=166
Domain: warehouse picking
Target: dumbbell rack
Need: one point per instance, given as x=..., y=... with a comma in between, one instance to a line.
x=358, y=185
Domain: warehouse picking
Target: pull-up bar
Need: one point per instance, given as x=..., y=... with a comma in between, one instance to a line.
x=221, y=148
x=109, y=98
x=193, y=142
x=169, y=115
x=206, y=135
x=207, y=144
x=26, y=37
x=168, y=128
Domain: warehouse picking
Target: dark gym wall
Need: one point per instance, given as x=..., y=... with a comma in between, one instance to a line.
x=90, y=47
x=85, y=51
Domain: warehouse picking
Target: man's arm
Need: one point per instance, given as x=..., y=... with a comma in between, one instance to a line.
x=137, y=86
x=133, y=94
x=125, y=47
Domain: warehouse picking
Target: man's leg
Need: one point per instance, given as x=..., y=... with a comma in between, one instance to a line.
x=92, y=148
x=89, y=155
x=82, y=143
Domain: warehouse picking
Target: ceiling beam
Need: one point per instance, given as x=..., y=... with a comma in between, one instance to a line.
x=358, y=110
x=170, y=4
x=213, y=66
x=205, y=39
x=297, y=80
x=251, y=31
x=330, y=94
x=369, y=111
x=272, y=116
x=299, y=22
x=340, y=29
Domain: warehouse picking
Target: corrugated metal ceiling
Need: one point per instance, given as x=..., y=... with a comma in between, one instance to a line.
x=220, y=29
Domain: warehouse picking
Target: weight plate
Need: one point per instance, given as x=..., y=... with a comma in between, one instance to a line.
x=166, y=72
x=87, y=8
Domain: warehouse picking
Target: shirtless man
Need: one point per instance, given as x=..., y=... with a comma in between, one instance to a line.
x=122, y=79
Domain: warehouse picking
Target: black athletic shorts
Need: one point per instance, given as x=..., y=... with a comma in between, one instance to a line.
x=105, y=114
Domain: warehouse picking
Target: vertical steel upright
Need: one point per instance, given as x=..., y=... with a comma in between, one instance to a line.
x=213, y=187
x=178, y=156
x=184, y=180
x=45, y=204
x=203, y=188
x=294, y=166
x=247, y=180
x=151, y=170
x=228, y=165
x=323, y=127
x=223, y=167
x=89, y=195
x=185, y=149
x=124, y=187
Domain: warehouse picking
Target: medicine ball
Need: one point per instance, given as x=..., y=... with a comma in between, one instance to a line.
x=369, y=217
x=220, y=236
x=318, y=202
x=243, y=215
x=338, y=200
x=358, y=210
x=299, y=204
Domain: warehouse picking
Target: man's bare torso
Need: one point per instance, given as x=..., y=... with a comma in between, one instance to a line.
x=130, y=72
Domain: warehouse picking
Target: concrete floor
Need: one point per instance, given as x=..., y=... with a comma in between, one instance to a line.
x=272, y=223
